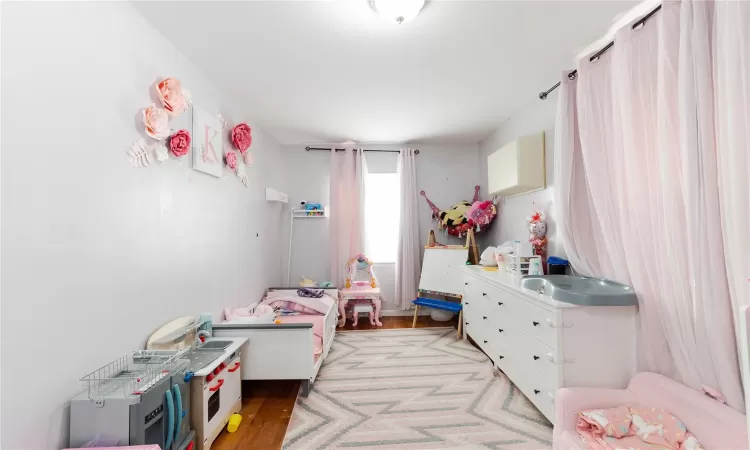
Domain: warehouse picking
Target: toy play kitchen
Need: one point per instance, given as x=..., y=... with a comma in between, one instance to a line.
x=215, y=367
x=179, y=397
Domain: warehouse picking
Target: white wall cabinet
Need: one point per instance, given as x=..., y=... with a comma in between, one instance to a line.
x=543, y=345
x=518, y=167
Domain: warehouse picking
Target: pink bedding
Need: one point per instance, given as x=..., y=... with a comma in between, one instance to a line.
x=312, y=311
x=318, y=327
x=303, y=304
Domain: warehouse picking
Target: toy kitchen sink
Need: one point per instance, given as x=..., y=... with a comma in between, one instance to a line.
x=215, y=344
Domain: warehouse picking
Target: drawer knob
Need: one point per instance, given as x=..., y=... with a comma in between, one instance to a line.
x=535, y=323
x=500, y=356
x=499, y=330
x=484, y=317
x=535, y=357
x=466, y=323
x=466, y=303
x=484, y=293
x=537, y=391
x=466, y=284
x=485, y=342
x=500, y=303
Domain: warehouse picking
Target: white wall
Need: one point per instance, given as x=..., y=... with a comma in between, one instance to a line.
x=448, y=173
x=97, y=254
x=537, y=116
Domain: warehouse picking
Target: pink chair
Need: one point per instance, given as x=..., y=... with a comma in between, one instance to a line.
x=714, y=424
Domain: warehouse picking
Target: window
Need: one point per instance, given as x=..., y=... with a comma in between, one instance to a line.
x=382, y=211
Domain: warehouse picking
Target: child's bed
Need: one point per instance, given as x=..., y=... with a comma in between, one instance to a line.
x=291, y=350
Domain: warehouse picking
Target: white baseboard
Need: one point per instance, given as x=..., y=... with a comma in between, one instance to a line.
x=401, y=312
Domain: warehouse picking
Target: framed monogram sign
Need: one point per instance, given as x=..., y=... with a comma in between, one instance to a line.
x=208, y=140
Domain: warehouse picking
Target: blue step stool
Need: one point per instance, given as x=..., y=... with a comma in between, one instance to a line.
x=438, y=304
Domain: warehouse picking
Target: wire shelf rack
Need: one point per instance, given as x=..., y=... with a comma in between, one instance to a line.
x=133, y=373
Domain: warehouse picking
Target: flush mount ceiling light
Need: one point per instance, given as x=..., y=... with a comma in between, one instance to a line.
x=397, y=11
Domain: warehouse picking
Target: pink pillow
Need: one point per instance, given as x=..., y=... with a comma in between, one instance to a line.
x=261, y=309
x=291, y=306
x=230, y=314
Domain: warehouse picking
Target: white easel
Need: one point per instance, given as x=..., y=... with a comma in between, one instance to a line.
x=442, y=264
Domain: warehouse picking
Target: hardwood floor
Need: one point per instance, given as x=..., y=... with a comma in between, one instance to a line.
x=398, y=322
x=266, y=409
x=267, y=405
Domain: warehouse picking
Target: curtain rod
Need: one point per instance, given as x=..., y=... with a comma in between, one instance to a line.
x=572, y=75
x=308, y=148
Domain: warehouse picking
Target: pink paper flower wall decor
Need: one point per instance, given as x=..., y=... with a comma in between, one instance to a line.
x=156, y=121
x=169, y=91
x=179, y=143
x=241, y=137
x=175, y=100
x=231, y=160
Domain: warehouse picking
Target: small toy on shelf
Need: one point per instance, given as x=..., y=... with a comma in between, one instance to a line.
x=537, y=225
x=313, y=209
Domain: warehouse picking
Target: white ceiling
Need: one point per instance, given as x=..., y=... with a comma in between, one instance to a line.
x=333, y=71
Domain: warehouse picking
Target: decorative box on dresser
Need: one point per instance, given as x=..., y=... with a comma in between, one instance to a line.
x=542, y=344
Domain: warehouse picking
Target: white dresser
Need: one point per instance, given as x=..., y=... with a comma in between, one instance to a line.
x=542, y=344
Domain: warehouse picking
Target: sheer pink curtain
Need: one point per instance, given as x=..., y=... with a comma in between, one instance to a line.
x=645, y=114
x=408, y=261
x=732, y=90
x=572, y=197
x=346, y=213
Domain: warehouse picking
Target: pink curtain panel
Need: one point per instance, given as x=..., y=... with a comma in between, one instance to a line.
x=652, y=163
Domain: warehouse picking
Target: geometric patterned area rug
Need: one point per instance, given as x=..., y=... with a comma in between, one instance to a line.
x=417, y=389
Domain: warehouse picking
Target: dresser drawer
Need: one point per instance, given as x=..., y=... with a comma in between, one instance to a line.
x=479, y=332
x=506, y=362
x=477, y=320
x=537, y=386
x=470, y=312
x=540, y=363
x=530, y=364
x=506, y=340
x=472, y=326
x=469, y=305
x=504, y=303
x=539, y=323
x=471, y=286
x=543, y=397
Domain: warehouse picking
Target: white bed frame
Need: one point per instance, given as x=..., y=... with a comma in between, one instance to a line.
x=282, y=351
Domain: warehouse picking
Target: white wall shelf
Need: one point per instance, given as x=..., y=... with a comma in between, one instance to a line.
x=272, y=195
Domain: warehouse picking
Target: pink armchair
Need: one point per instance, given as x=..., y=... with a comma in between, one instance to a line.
x=714, y=424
